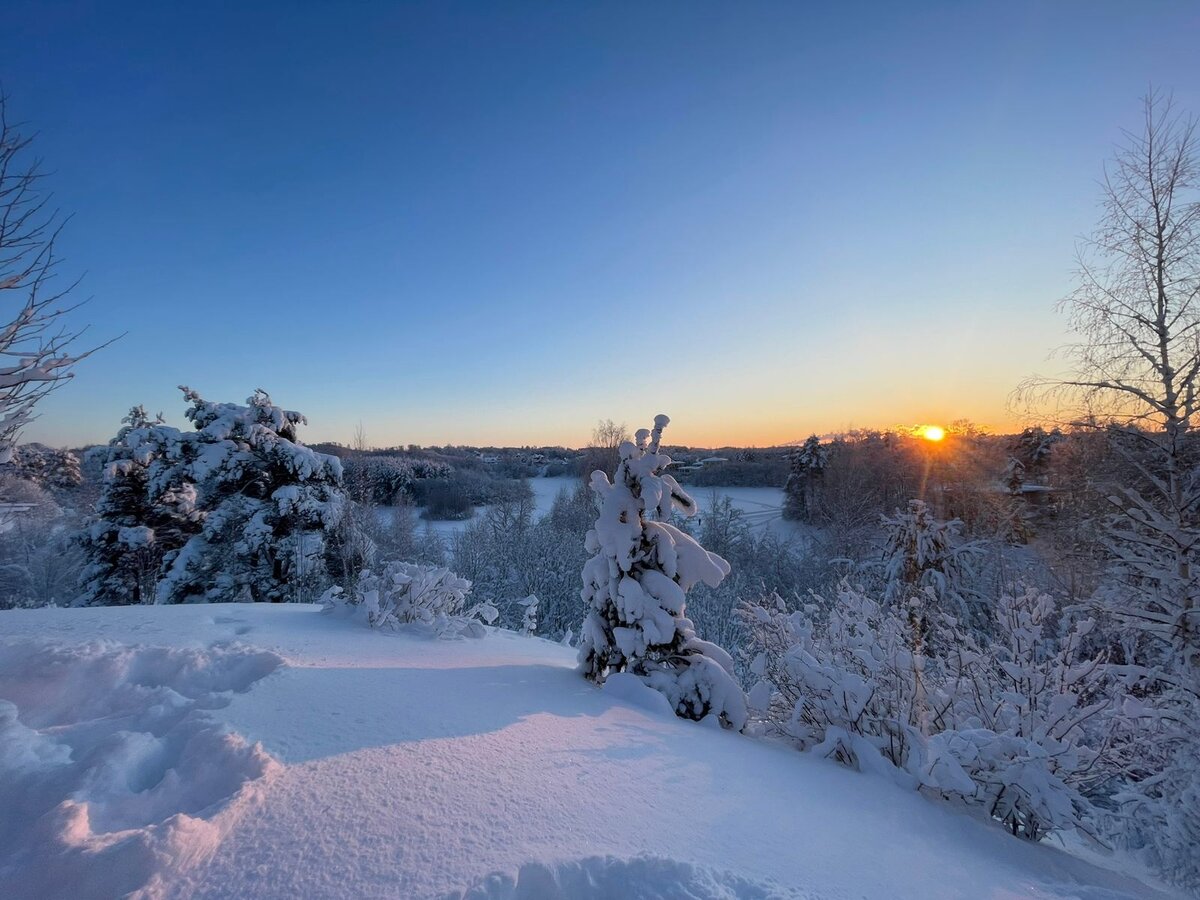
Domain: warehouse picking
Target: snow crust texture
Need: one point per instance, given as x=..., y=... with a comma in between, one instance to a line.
x=399, y=766
x=114, y=775
x=640, y=878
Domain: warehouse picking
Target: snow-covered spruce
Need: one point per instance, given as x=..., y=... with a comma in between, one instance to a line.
x=635, y=584
x=124, y=543
x=807, y=466
x=238, y=509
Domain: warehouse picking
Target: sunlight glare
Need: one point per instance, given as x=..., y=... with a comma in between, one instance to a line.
x=932, y=432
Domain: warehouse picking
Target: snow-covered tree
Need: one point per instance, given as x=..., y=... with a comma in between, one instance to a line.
x=1157, y=814
x=922, y=552
x=39, y=561
x=636, y=582
x=1032, y=449
x=124, y=544
x=1136, y=369
x=47, y=467
x=268, y=503
x=807, y=464
x=237, y=509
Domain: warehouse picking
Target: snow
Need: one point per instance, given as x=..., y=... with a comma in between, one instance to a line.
x=275, y=751
x=761, y=508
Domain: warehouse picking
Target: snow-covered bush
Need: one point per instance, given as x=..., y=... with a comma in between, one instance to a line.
x=529, y=621
x=412, y=594
x=39, y=557
x=407, y=592
x=636, y=582
x=849, y=686
x=1031, y=721
x=1020, y=727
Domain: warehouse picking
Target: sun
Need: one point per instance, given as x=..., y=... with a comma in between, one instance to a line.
x=932, y=432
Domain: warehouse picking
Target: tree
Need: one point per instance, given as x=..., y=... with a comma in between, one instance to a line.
x=268, y=504
x=124, y=544
x=807, y=466
x=636, y=582
x=924, y=554
x=47, y=467
x=1137, y=366
x=36, y=354
x=1136, y=373
x=602, y=453
x=237, y=509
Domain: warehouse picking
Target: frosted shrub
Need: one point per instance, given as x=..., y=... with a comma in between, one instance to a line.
x=1021, y=728
x=849, y=687
x=635, y=584
x=529, y=620
x=408, y=592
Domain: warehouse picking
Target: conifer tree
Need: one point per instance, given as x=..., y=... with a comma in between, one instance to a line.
x=808, y=463
x=636, y=582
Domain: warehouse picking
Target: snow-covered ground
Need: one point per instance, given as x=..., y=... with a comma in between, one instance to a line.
x=253, y=751
x=761, y=507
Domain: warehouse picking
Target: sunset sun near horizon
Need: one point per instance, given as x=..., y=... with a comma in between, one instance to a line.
x=932, y=433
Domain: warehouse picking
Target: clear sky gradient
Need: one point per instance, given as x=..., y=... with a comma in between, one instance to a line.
x=496, y=223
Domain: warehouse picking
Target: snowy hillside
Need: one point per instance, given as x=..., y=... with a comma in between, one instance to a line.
x=272, y=751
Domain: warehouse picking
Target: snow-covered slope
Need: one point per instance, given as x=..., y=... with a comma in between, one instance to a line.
x=277, y=752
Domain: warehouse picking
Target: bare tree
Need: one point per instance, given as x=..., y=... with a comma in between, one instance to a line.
x=602, y=452
x=1136, y=367
x=36, y=354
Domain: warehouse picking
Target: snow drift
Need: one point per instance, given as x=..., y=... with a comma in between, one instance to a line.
x=154, y=751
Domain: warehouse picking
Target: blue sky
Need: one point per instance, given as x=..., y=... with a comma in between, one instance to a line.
x=497, y=223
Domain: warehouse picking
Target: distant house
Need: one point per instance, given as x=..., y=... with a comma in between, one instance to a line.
x=712, y=460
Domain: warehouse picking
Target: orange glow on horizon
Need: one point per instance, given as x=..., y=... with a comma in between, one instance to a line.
x=933, y=433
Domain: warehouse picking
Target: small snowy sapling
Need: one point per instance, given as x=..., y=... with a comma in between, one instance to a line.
x=635, y=584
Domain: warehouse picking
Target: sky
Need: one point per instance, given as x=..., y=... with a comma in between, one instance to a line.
x=495, y=224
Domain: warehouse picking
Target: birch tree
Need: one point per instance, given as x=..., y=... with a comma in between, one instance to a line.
x=37, y=351
x=1136, y=366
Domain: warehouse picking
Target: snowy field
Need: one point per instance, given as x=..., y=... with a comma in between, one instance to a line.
x=761, y=506
x=261, y=751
